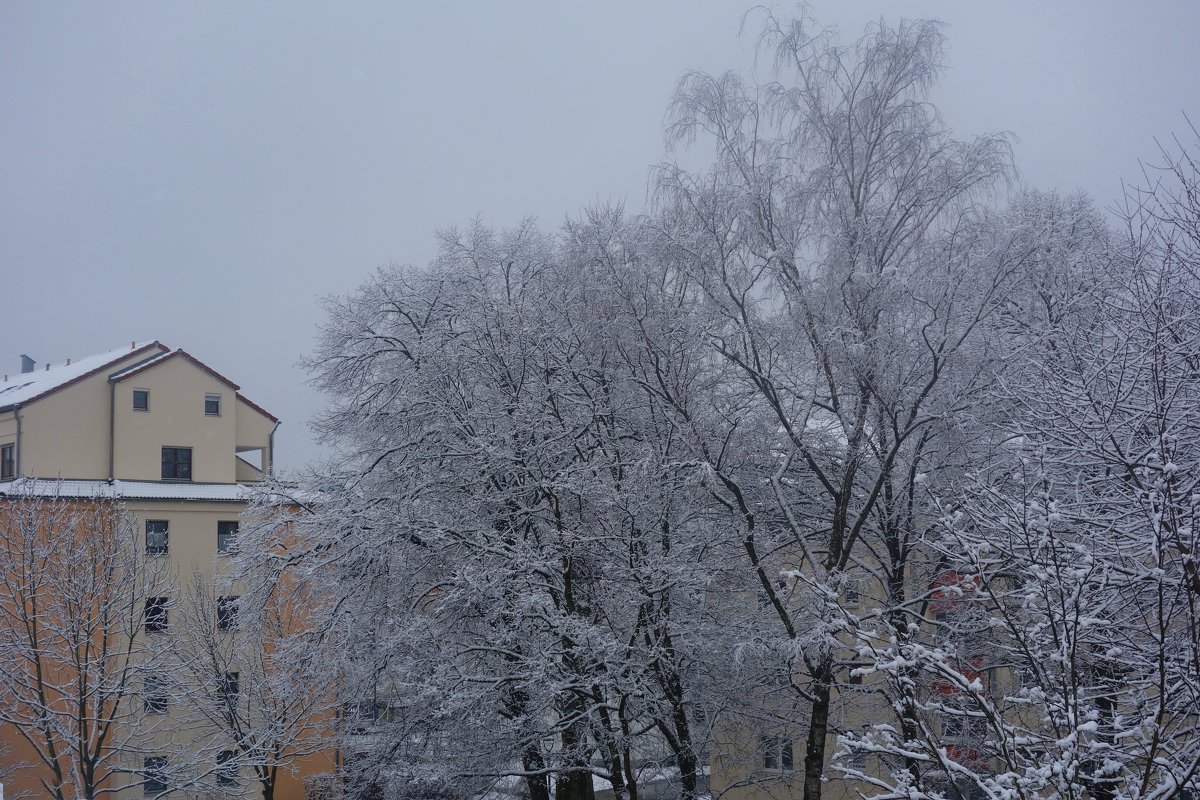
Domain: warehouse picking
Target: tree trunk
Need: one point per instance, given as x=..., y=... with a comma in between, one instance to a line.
x=538, y=785
x=267, y=781
x=818, y=731
x=575, y=785
x=612, y=752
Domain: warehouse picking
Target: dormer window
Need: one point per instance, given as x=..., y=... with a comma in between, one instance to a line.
x=212, y=405
x=141, y=399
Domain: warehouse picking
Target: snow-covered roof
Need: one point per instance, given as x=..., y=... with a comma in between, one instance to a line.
x=277, y=494
x=139, y=366
x=128, y=490
x=136, y=368
x=26, y=386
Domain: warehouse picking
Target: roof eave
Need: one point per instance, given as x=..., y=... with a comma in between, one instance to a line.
x=84, y=376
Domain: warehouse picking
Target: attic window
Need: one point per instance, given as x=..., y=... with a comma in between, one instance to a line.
x=141, y=399
x=212, y=405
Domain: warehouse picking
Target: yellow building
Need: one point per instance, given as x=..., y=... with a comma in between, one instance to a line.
x=170, y=438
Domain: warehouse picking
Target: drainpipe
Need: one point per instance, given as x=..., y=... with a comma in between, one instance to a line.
x=17, y=417
x=270, y=465
x=112, y=422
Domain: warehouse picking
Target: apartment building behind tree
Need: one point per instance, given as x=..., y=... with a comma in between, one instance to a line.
x=179, y=448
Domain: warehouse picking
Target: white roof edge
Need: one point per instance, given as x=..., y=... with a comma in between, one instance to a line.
x=116, y=376
x=133, y=490
x=23, y=386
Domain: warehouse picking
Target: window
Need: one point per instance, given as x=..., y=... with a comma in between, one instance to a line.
x=963, y=727
x=154, y=772
x=850, y=594
x=156, y=614
x=8, y=462
x=1026, y=674
x=229, y=687
x=777, y=754
x=855, y=677
x=960, y=789
x=227, y=608
x=141, y=399
x=154, y=694
x=177, y=463
x=156, y=537
x=212, y=405
x=764, y=599
x=227, y=771
x=227, y=537
x=360, y=717
x=855, y=759
x=785, y=754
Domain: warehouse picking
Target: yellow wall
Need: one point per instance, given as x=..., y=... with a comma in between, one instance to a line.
x=192, y=545
x=66, y=433
x=253, y=429
x=192, y=531
x=176, y=418
x=8, y=428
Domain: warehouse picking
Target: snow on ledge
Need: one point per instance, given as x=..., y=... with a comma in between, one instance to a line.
x=129, y=490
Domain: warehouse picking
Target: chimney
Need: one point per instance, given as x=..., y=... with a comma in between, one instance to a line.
x=26, y=363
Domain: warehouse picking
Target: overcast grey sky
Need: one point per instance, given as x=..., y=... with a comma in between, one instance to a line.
x=202, y=173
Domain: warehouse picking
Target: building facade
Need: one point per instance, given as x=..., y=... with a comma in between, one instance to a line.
x=180, y=448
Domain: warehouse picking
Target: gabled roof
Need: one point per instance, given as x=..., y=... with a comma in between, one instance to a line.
x=26, y=387
x=140, y=365
x=257, y=407
x=180, y=353
x=154, y=362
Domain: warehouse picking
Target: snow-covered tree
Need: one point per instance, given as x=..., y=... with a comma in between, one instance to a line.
x=1068, y=643
x=246, y=688
x=607, y=503
x=83, y=612
x=847, y=268
x=511, y=539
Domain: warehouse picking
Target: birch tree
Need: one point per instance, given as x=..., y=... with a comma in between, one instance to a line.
x=847, y=270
